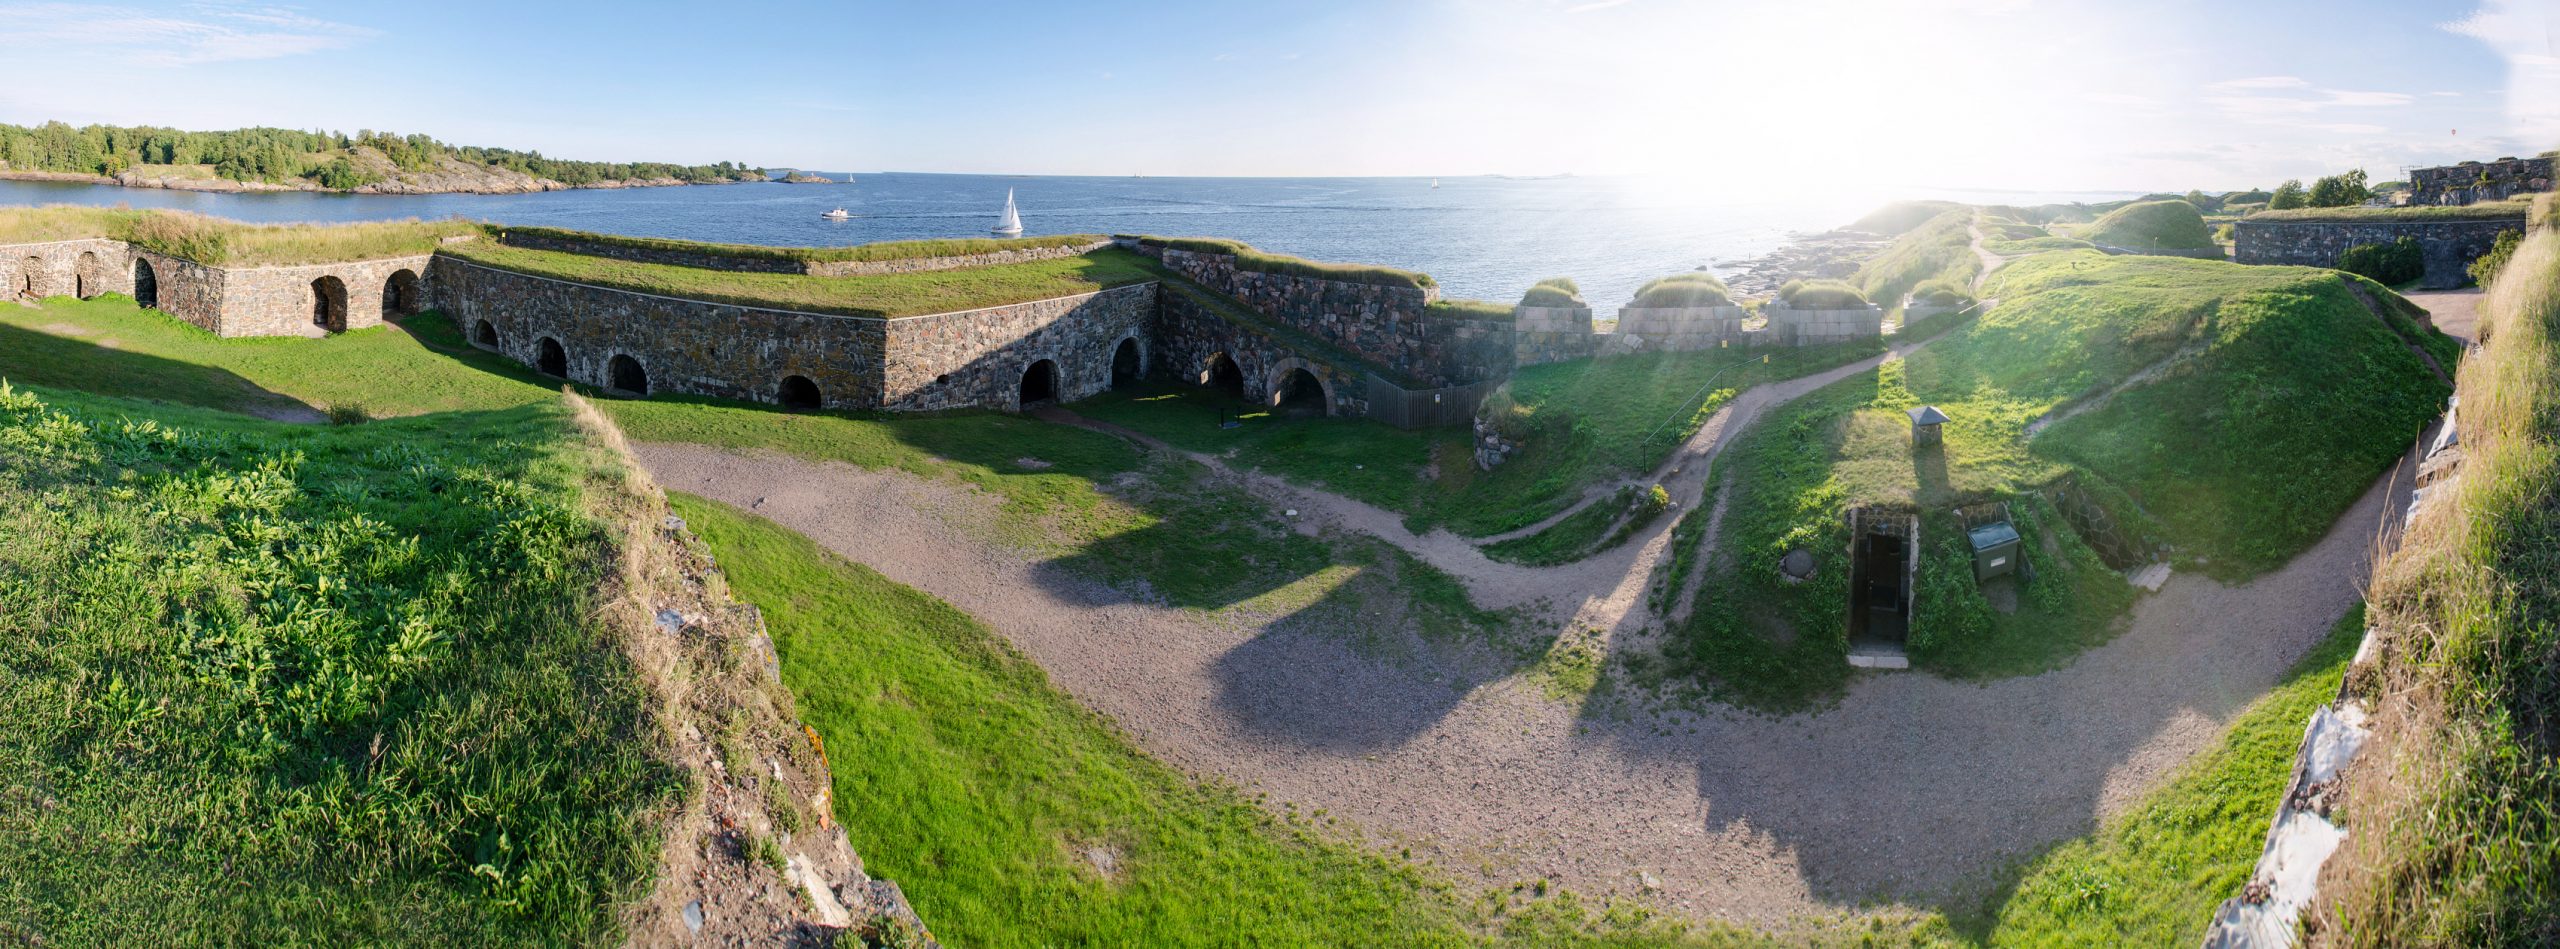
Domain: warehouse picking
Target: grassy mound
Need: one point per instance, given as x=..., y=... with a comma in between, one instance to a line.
x=2152, y=225
x=2452, y=817
x=226, y=243
x=1554, y=292
x=2236, y=411
x=1696, y=288
x=272, y=681
x=1822, y=295
x=1938, y=249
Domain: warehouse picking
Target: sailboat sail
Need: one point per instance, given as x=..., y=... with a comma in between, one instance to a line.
x=1011, y=223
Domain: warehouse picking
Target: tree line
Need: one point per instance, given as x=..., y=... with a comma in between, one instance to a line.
x=324, y=158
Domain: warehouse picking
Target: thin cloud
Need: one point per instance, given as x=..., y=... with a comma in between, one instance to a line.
x=2521, y=31
x=199, y=35
x=2263, y=82
x=2263, y=96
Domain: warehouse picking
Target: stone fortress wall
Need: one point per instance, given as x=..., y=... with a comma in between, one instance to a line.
x=2450, y=245
x=677, y=256
x=225, y=301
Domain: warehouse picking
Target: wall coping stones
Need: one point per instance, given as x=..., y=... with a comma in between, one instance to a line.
x=769, y=309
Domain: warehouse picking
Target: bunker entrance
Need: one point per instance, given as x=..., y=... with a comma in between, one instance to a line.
x=1124, y=365
x=329, y=304
x=798, y=392
x=1039, y=383
x=550, y=358
x=400, y=294
x=1224, y=376
x=1884, y=556
x=146, y=285
x=1299, y=394
x=625, y=374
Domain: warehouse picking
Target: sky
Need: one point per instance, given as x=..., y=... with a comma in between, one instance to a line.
x=2040, y=95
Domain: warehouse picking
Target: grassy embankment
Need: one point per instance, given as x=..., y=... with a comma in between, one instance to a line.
x=886, y=295
x=226, y=243
x=882, y=250
x=983, y=829
x=277, y=684
x=2453, y=810
x=2151, y=225
x=2483, y=211
x=2278, y=397
x=1940, y=249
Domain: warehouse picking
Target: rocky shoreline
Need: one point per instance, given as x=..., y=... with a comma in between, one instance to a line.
x=1806, y=256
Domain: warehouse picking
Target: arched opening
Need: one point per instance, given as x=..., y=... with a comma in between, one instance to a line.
x=1224, y=375
x=1039, y=383
x=550, y=358
x=1124, y=364
x=486, y=334
x=31, y=278
x=400, y=294
x=329, y=304
x=1298, y=393
x=86, y=281
x=624, y=373
x=799, y=392
x=146, y=285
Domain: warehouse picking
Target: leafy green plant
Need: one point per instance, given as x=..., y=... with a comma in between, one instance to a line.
x=2486, y=268
x=2397, y=262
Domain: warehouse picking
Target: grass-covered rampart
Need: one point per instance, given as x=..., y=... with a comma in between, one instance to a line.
x=878, y=296
x=2453, y=810
x=1938, y=249
x=2151, y=225
x=877, y=251
x=1249, y=258
x=226, y=243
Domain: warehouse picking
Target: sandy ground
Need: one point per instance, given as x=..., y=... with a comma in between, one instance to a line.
x=2457, y=312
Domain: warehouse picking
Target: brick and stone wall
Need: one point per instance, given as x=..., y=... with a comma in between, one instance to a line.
x=977, y=358
x=1381, y=324
x=185, y=289
x=1545, y=334
x=2471, y=182
x=2450, y=246
x=1683, y=328
x=838, y=268
x=1809, y=327
x=687, y=346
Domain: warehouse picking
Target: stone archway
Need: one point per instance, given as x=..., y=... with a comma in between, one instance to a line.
x=1039, y=384
x=146, y=284
x=550, y=359
x=329, y=304
x=31, y=282
x=485, y=334
x=1296, y=389
x=400, y=294
x=1127, y=364
x=799, y=392
x=1223, y=374
x=88, y=279
x=625, y=373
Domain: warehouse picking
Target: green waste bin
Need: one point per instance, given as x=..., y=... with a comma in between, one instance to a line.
x=1995, y=550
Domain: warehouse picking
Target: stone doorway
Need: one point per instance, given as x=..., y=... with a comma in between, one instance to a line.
x=624, y=373
x=146, y=285
x=86, y=280
x=1124, y=365
x=485, y=334
x=1298, y=393
x=329, y=304
x=799, y=392
x=400, y=294
x=550, y=359
x=1224, y=375
x=1039, y=384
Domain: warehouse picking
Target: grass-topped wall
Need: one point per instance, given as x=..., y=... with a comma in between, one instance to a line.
x=784, y=259
x=1248, y=258
x=224, y=243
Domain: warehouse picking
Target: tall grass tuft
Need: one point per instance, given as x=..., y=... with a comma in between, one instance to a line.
x=1690, y=288
x=1559, y=292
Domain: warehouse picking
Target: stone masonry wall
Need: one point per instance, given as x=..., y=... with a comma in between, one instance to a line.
x=1189, y=336
x=835, y=268
x=1384, y=325
x=185, y=289
x=83, y=268
x=277, y=301
x=1685, y=328
x=2450, y=246
x=977, y=358
x=1817, y=327
x=686, y=346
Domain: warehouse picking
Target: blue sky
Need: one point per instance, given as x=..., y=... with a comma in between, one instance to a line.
x=2036, y=94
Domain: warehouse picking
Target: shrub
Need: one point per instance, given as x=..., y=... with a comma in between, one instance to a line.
x=2486, y=268
x=1686, y=289
x=2151, y=225
x=348, y=413
x=2389, y=264
x=1554, y=292
x=1821, y=295
x=2287, y=196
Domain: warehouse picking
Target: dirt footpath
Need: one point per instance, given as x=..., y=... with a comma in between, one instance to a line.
x=1911, y=787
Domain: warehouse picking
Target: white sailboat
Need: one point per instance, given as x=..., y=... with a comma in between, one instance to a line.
x=1011, y=224
x=1435, y=184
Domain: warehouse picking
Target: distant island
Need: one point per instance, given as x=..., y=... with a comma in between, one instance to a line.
x=270, y=159
x=807, y=178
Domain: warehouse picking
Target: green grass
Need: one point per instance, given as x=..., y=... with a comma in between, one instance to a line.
x=2153, y=875
x=227, y=243
x=883, y=250
x=1477, y=310
x=1900, y=216
x=1366, y=460
x=107, y=344
x=2033, y=245
x=1588, y=531
x=881, y=296
x=1939, y=249
x=1559, y=292
x=1259, y=261
x=2486, y=211
x=286, y=685
x=2151, y=225
x=1694, y=288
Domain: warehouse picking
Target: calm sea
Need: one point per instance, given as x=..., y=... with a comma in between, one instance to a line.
x=1483, y=237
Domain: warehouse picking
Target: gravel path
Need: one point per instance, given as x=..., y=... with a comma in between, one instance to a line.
x=1911, y=787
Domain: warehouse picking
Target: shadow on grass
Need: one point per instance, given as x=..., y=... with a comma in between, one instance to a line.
x=30, y=357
